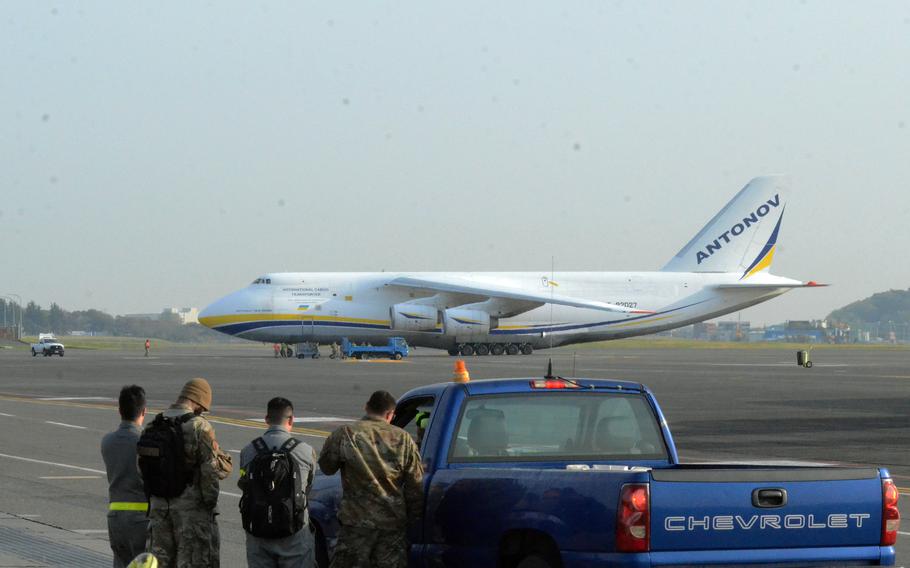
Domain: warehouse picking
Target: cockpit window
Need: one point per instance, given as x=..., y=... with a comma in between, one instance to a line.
x=262, y=281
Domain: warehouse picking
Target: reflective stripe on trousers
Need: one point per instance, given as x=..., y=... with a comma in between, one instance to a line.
x=127, y=506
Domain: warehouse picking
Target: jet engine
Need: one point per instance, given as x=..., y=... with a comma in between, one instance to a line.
x=464, y=322
x=414, y=317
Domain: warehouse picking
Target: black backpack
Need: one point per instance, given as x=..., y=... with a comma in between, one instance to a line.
x=273, y=503
x=161, y=457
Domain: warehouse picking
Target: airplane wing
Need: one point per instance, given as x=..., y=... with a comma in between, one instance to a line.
x=771, y=285
x=474, y=292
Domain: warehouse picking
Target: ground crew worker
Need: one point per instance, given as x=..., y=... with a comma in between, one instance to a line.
x=127, y=519
x=277, y=349
x=296, y=550
x=184, y=530
x=382, y=490
x=148, y=346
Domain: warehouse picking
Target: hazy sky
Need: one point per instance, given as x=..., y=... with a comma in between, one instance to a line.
x=164, y=155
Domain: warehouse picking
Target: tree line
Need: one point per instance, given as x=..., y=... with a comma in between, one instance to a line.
x=55, y=319
x=891, y=306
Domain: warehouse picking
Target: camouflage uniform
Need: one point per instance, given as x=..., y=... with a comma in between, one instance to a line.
x=381, y=479
x=184, y=531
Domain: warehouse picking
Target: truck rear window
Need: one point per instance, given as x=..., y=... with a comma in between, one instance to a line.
x=564, y=426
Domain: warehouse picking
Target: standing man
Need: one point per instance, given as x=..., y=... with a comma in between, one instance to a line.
x=184, y=530
x=276, y=471
x=148, y=346
x=127, y=519
x=382, y=489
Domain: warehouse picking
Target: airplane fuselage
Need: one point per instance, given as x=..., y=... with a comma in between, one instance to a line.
x=324, y=307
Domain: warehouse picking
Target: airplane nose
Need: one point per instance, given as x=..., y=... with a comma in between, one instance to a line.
x=210, y=314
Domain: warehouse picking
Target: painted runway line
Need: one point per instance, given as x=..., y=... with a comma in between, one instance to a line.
x=70, y=477
x=309, y=419
x=55, y=464
x=105, y=398
x=63, y=424
x=80, y=468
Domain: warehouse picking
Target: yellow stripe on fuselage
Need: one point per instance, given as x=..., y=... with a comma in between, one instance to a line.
x=215, y=321
x=643, y=321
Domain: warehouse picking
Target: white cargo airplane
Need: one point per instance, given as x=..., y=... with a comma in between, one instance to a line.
x=723, y=269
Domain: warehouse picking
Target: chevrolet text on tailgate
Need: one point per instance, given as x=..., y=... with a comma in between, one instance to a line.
x=557, y=472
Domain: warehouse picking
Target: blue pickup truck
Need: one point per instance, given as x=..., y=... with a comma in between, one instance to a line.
x=555, y=472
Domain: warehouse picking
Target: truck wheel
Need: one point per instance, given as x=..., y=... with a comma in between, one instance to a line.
x=397, y=356
x=34, y=354
x=483, y=349
x=61, y=353
x=533, y=561
x=808, y=364
x=512, y=349
x=467, y=349
x=497, y=349
x=526, y=349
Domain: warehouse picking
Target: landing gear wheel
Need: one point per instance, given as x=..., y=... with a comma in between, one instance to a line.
x=397, y=356
x=512, y=349
x=483, y=349
x=497, y=349
x=467, y=350
x=533, y=561
x=290, y=353
x=526, y=349
x=454, y=352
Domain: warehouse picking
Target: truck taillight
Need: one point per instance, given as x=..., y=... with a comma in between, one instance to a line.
x=891, y=517
x=633, y=519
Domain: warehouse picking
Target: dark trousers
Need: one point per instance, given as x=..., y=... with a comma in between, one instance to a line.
x=128, y=532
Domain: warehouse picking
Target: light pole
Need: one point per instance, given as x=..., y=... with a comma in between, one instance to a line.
x=19, y=304
x=6, y=304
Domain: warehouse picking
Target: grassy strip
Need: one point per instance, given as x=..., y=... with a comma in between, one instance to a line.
x=128, y=343
x=675, y=343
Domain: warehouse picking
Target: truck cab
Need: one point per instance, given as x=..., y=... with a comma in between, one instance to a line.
x=47, y=345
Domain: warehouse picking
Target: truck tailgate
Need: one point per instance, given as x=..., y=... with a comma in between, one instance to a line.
x=754, y=507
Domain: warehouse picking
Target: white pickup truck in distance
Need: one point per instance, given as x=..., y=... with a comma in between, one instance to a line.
x=47, y=345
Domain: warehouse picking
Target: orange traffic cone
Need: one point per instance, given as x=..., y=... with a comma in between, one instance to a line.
x=461, y=372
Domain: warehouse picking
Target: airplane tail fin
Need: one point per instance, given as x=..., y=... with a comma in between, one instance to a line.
x=742, y=237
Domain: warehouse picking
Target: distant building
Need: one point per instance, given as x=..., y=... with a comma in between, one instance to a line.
x=706, y=331
x=733, y=331
x=185, y=315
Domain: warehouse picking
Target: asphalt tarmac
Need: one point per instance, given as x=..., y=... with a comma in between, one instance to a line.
x=852, y=407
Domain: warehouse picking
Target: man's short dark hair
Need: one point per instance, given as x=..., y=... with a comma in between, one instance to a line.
x=279, y=410
x=132, y=402
x=380, y=402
